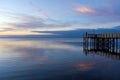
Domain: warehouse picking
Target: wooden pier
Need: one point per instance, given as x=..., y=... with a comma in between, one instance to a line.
x=109, y=43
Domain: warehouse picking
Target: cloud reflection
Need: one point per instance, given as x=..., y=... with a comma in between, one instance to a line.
x=85, y=66
x=32, y=50
x=37, y=44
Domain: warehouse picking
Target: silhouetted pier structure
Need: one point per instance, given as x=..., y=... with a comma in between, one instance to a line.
x=109, y=43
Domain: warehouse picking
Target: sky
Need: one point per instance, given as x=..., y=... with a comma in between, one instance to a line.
x=26, y=17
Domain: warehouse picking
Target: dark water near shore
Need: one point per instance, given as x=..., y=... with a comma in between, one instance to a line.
x=54, y=59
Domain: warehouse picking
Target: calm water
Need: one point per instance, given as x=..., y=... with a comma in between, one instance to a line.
x=54, y=59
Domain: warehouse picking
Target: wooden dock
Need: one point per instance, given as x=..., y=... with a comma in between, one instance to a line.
x=102, y=42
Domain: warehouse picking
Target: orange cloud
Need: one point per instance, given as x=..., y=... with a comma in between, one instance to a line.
x=84, y=10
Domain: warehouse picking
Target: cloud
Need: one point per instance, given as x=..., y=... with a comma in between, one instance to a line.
x=20, y=16
x=22, y=21
x=37, y=25
x=28, y=22
x=84, y=9
x=109, y=11
x=39, y=11
x=41, y=14
x=39, y=21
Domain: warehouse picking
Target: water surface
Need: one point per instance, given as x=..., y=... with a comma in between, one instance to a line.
x=54, y=59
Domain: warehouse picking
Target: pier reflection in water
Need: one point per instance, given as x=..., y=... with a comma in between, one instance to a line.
x=108, y=54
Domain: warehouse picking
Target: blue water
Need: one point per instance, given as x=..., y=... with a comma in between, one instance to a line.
x=53, y=59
